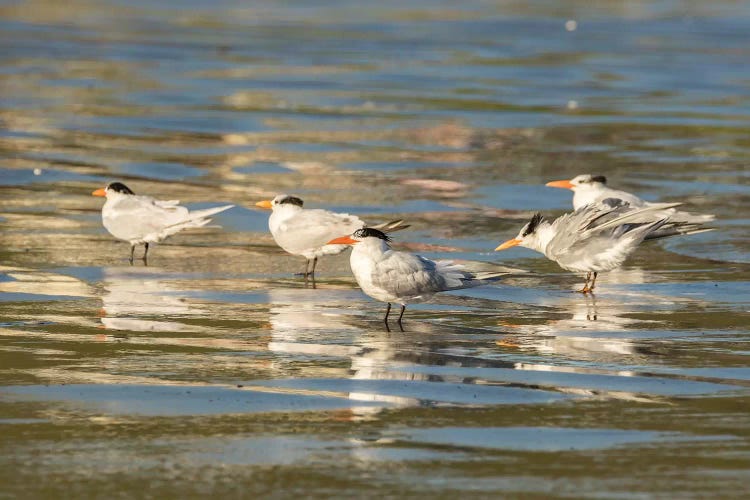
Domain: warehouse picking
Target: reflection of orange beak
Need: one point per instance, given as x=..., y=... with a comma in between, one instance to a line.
x=264, y=204
x=508, y=244
x=507, y=343
x=99, y=192
x=344, y=240
x=560, y=184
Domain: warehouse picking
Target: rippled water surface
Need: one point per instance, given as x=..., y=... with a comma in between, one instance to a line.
x=215, y=370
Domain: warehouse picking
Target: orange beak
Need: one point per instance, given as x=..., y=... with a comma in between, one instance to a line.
x=99, y=192
x=264, y=204
x=560, y=184
x=344, y=240
x=508, y=244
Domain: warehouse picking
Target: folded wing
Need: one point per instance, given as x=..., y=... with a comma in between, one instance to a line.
x=413, y=276
x=144, y=218
x=312, y=229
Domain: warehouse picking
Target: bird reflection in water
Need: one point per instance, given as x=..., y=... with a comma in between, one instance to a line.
x=594, y=329
x=133, y=297
x=300, y=318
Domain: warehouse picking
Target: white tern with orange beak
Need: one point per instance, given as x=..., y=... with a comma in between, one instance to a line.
x=306, y=232
x=588, y=189
x=390, y=276
x=143, y=219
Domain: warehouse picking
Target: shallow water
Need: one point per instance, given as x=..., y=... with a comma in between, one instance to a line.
x=215, y=370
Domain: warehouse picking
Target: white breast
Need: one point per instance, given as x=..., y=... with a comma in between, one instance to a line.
x=363, y=261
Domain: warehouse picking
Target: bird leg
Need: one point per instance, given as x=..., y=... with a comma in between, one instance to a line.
x=132, y=251
x=308, y=272
x=403, y=308
x=591, y=313
x=312, y=272
x=307, y=264
x=387, y=312
x=593, y=282
x=586, y=288
x=145, y=255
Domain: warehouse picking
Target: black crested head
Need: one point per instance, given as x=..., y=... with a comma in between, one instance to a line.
x=533, y=224
x=367, y=232
x=119, y=187
x=599, y=178
x=292, y=200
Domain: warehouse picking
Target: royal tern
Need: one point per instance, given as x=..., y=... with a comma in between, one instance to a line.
x=588, y=189
x=594, y=238
x=401, y=277
x=306, y=232
x=143, y=219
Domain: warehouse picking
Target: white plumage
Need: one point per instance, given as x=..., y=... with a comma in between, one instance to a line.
x=306, y=232
x=143, y=219
x=391, y=276
x=597, y=237
x=589, y=189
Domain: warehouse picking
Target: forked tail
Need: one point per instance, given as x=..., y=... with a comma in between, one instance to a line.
x=456, y=276
x=483, y=278
x=676, y=229
x=198, y=218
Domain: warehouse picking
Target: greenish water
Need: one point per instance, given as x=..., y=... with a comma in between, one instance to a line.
x=215, y=371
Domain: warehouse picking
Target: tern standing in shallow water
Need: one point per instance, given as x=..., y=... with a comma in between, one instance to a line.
x=143, y=219
x=588, y=189
x=594, y=238
x=307, y=232
x=401, y=277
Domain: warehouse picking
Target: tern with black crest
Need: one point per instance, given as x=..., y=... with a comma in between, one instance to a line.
x=596, y=237
x=588, y=189
x=141, y=219
x=307, y=232
x=403, y=278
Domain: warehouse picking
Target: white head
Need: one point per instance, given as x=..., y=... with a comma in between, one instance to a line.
x=531, y=235
x=281, y=201
x=113, y=190
x=581, y=182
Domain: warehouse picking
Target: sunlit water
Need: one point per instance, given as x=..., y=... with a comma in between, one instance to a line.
x=215, y=369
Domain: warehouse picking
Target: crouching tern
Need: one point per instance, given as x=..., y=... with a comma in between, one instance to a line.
x=307, y=232
x=595, y=238
x=588, y=189
x=401, y=277
x=142, y=219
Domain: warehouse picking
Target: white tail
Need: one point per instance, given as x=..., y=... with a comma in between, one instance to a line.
x=197, y=218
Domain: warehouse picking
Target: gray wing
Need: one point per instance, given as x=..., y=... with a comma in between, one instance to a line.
x=603, y=234
x=407, y=275
x=569, y=228
x=624, y=196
